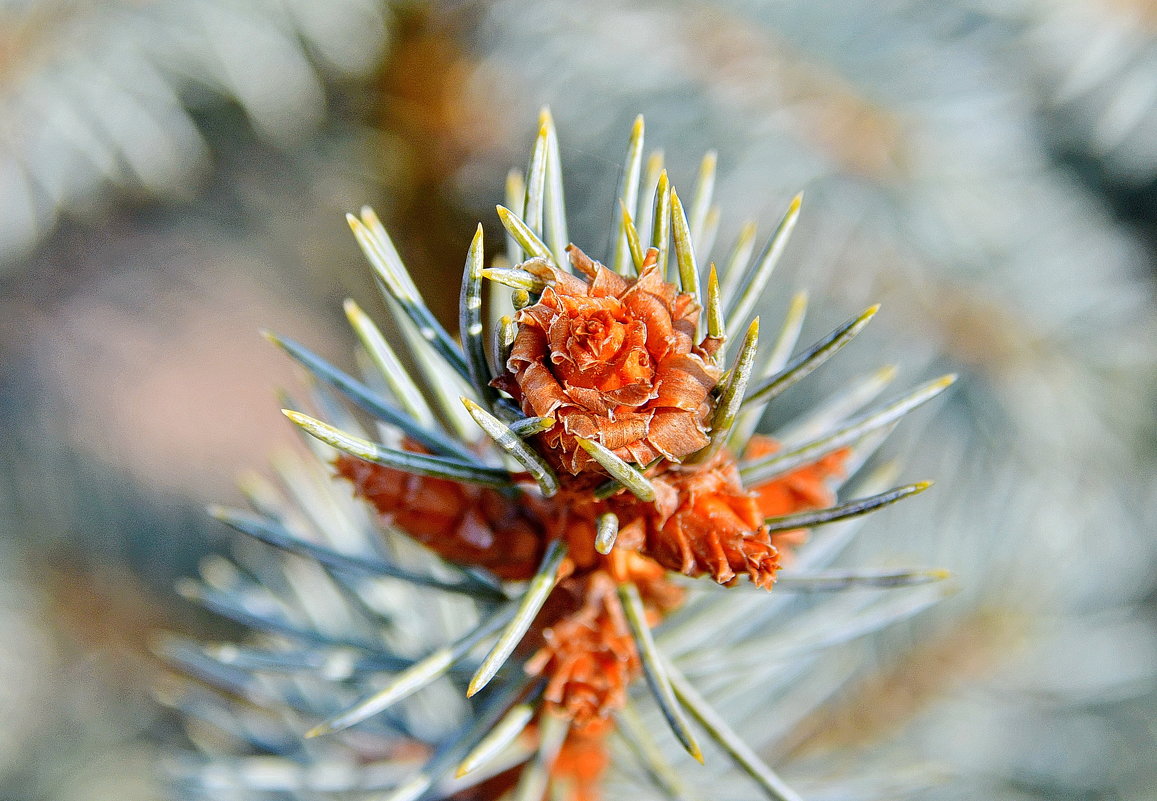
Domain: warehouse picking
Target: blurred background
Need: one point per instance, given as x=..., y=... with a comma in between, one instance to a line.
x=173, y=175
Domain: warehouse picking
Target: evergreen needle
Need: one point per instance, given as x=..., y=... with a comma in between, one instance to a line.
x=536, y=594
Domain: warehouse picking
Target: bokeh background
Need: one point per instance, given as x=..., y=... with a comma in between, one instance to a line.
x=173, y=175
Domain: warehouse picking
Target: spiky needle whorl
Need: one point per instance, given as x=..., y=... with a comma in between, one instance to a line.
x=603, y=443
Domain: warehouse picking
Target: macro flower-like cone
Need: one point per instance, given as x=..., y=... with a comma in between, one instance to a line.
x=703, y=521
x=562, y=478
x=612, y=359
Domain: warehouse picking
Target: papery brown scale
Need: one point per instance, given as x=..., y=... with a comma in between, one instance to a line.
x=543, y=393
x=674, y=431
x=627, y=428
x=606, y=283
x=682, y=382
x=655, y=314
x=583, y=263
